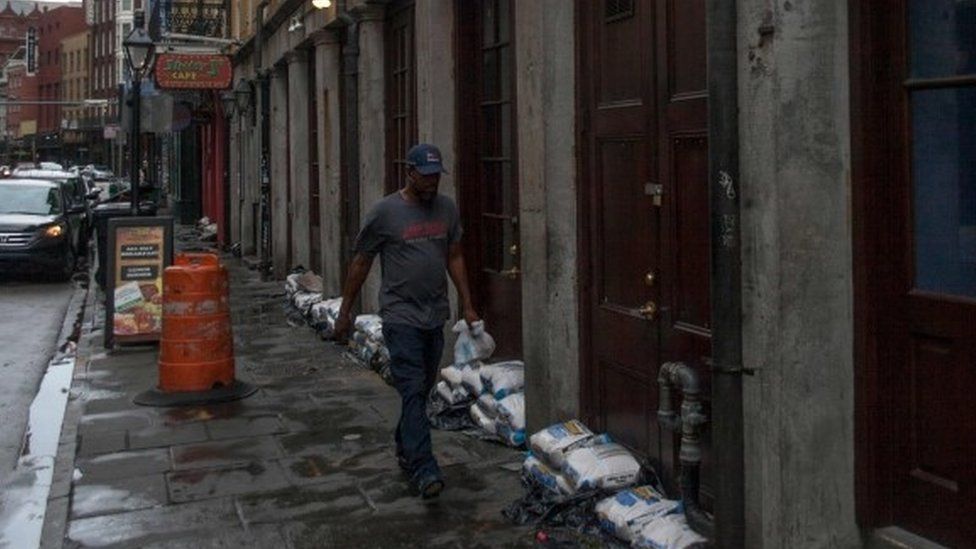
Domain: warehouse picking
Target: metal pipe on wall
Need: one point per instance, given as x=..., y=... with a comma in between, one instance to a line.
x=726, y=276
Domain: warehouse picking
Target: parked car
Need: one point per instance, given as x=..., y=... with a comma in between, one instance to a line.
x=51, y=166
x=36, y=226
x=78, y=194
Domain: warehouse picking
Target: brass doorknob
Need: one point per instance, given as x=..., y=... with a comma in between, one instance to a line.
x=513, y=250
x=512, y=273
x=649, y=278
x=648, y=310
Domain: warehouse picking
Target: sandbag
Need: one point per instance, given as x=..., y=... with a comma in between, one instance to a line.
x=510, y=435
x=554, y=442
x=668, y=532
x=452, y=374
x=449, y=394
x=482, y=420
x=503, y=378
x=511, y=410
x=535, y=469
x=473, y=342
x=304, y=300
x=488, y=405
x=371, y=325
x=624, y=514
x=607, y=466
x=471, y=379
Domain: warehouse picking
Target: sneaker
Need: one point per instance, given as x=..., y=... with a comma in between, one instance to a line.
x=429, y=486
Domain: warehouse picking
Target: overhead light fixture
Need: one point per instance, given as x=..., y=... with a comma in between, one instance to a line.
x=322, y=4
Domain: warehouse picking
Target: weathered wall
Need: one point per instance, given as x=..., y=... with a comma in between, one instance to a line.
x=796, y=271
x=545, y=45
x=279, y=171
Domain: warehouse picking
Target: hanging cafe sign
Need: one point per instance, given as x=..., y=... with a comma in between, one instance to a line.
x=180, y=71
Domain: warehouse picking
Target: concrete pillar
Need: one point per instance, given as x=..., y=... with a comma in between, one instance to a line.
x=298, y=168
x=796, y=274
x=546, y=102
x=328, y=77
x=234, y=142
x=248, y=184
x=372, y=128
x=279, y=171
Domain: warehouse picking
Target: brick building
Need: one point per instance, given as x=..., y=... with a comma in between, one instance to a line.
x=53, y=26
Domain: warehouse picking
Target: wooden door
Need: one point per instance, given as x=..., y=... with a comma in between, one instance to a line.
x=915, y=180
x=488, y=177
x=401, y=92
x=314, y=209
x=645, y=208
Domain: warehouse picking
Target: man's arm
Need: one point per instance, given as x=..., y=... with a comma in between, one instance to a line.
x=358, y=271
x=459, y=275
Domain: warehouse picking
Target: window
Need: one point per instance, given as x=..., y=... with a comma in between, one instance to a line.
x=127, y=5
x=401, y=99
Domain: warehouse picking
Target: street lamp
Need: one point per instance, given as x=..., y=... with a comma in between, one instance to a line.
x=139, y=50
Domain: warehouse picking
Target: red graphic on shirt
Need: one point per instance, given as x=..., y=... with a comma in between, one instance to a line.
x=425, y=231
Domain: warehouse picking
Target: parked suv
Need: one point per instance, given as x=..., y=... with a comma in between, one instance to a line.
x=36, y=227
x=78, y=193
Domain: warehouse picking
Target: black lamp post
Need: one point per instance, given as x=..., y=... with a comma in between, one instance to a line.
x=139, y=50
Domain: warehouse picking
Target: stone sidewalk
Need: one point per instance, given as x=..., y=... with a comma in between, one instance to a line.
x=307, y=461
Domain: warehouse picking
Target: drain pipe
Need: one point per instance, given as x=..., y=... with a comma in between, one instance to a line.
x=689, y=421
x=726, y=275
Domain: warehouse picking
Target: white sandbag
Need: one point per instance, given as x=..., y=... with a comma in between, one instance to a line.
x=609, y=466
x=510, y=435
x=554, y=442
x=291, y=283
x=326, y=310
x=448, y=394
x=624, y=514
x=371, y=325
x=668, y=532
x=488, y=405
x=473, y=342
x=503, y=378
x=536, y=469
x=511, y=410
x=304, y=301
x=482, y=420
x=471, y=379
x=452, y=374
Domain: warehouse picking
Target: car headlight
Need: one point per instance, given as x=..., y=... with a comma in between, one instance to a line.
x=54, y=231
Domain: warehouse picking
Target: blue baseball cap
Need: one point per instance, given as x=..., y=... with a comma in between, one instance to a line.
x=426, y=159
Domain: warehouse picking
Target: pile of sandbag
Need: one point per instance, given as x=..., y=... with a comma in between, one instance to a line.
x=569, y=460
x=366, y=344
x=492, y=393
x=324, y=315
x=304, y=290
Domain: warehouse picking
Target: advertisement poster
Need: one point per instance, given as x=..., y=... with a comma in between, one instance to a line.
x=140, y=249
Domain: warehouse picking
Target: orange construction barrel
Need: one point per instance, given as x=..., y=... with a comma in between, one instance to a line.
x=196, y=348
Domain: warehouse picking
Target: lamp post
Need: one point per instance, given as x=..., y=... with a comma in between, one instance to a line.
x=139, y=50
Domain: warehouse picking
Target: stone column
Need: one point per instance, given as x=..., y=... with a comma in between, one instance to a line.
x=545, y=46
x=234, y=143
x=436, y=90
x=279, y=171
x=328, y=76
x=298, y=168
x=372, y=127
x=797, y=297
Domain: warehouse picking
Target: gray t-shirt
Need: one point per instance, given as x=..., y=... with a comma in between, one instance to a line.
x=413, y=240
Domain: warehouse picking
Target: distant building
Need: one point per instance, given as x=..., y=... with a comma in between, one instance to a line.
x=74, y=64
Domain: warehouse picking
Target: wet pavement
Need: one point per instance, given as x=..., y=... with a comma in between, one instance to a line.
x=307, y=461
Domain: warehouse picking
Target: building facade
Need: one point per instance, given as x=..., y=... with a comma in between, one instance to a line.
x=53, y=26
x=793, y=212
x=76, y=135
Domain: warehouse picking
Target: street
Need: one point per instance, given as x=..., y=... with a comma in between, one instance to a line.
x=33, y=313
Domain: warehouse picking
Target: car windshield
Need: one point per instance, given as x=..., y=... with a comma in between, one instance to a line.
x=29, y=199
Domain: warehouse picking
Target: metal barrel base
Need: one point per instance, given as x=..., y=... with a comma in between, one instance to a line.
x=235, y=391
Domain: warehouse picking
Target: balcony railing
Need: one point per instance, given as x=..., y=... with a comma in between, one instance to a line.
x=197, y=17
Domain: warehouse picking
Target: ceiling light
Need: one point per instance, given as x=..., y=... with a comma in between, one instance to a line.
x=322, y=4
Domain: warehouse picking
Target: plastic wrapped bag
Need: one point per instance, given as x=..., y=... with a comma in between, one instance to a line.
x=471, y=379
x=511, y=410
x=304, y=301
x=608, y=466
x=510, y=435
x=541, y=473
x=624, y=514
x=668, y=532
x=473, y=342
x=503, y=378
x=371, y=325
x=452, y=374
x=554, y=442
x=488, y=405
x=482, y=420
x=324, y=315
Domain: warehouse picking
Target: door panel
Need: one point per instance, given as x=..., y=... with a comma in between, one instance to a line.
x=645, y=172
x=489, y=182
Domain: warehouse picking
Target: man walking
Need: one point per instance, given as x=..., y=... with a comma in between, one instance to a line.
x=417, y=234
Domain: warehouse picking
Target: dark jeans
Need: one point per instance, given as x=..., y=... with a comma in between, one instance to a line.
x=415, y=355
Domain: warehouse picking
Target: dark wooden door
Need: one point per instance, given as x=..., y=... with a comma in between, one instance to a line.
x=915, y=200
x=314, y=209
x=645, y=207
x=488, y=177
